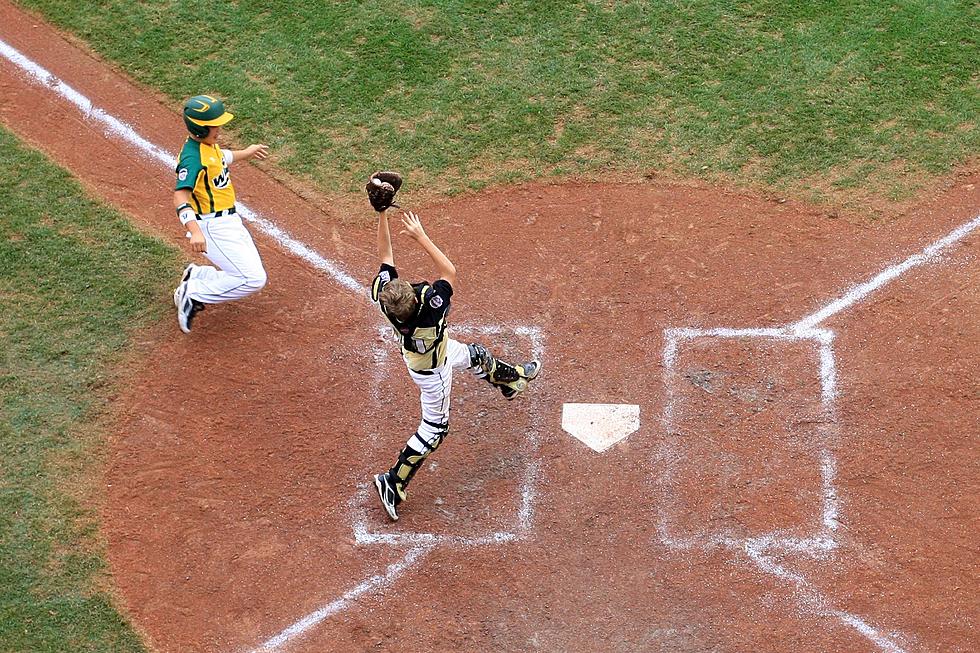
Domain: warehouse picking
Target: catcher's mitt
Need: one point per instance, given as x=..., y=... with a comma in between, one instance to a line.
x=381, y=189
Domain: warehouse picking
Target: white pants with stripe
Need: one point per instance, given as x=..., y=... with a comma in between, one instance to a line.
x=436, y=389
x=239, y=272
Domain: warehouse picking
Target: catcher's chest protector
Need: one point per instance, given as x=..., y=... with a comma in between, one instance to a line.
x=424, y=347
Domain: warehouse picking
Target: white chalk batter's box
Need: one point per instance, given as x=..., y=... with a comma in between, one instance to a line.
x=479, y=486
x=747, y=420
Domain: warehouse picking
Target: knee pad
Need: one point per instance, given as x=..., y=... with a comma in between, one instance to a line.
x=429, y=436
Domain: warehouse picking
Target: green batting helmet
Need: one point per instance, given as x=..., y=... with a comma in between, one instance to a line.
x=203, y=111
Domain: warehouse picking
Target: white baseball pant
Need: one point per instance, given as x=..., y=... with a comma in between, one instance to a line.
x=435, y=391
x=239, y=272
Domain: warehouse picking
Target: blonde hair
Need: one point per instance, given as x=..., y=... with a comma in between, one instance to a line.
x=398, y=299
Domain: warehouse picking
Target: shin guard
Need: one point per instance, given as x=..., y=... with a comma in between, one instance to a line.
x=511, y=379
x=411, y=459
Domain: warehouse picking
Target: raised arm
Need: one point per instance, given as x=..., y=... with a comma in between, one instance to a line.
x=384, y=239
x=445, y=267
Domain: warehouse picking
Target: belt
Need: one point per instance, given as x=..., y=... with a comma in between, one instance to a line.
x=424, y=372
x=217, y=214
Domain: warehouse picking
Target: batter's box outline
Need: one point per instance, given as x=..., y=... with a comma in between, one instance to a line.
x=822, y=540
x=522, y=522
x=766, y=551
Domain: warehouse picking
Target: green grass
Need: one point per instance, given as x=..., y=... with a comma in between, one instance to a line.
x=839, y=94
x=822, y=98
x=76, y=280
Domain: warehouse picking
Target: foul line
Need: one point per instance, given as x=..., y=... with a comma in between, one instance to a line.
x=372, y=584
x=891, y=273
x=115, y=128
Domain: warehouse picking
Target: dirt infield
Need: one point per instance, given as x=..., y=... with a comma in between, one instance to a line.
x=808, y=490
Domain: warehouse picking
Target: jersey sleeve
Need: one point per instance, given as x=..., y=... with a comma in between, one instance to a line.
x=444, y=288
x=437, y=296
x=188, y=170
x=385, y=274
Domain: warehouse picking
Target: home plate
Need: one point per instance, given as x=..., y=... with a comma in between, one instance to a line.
x=600, y=426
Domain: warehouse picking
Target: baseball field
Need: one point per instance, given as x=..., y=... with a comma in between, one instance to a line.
x=753, y=227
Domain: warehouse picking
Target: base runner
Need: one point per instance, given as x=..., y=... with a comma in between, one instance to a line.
x=205, y=203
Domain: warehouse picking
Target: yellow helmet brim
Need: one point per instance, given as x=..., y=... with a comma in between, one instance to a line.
x=216, y=122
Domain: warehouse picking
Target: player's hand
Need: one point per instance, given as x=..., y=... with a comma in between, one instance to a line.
x=198, y=244
x=413, y=226
x=258, y=151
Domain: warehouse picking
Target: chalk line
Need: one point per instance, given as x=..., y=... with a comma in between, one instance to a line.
x=117, y=129
x=810, y=597
x=824, y=541
x=859, y=292
x=114, y=128
x=372, y=584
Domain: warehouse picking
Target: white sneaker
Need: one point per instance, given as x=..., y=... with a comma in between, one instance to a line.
x=187, y=308
x=188, y=272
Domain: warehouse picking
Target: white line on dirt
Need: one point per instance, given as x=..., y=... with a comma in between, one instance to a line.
x=859, y=292
x=831, y=504
x=824, y=541
x=816, y=546
x=372, y=584
x=115, y=128
x=810, y=597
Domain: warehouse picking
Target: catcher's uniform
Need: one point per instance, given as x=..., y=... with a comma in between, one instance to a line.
x=203, y=170
x=431, y=356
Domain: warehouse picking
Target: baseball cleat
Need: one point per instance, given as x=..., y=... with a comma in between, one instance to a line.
x=188, y=272
x=187, y=308
x=387, y=494
x=528, y=372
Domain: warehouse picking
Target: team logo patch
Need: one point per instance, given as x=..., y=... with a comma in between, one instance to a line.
x=222, y=180
x=182, y=174
x=436, y=301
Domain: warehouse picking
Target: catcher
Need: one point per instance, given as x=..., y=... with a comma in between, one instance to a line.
x=418, y=311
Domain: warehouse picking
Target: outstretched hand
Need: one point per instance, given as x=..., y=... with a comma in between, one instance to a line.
x=413, y=226
x=258, y=151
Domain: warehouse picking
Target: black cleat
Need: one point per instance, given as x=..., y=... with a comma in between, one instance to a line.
x=387, y=494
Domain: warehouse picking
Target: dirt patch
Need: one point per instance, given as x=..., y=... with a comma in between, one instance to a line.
x=240, y=466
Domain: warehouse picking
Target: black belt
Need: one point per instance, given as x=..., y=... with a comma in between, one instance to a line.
x=424, y=372
x=218, y=214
